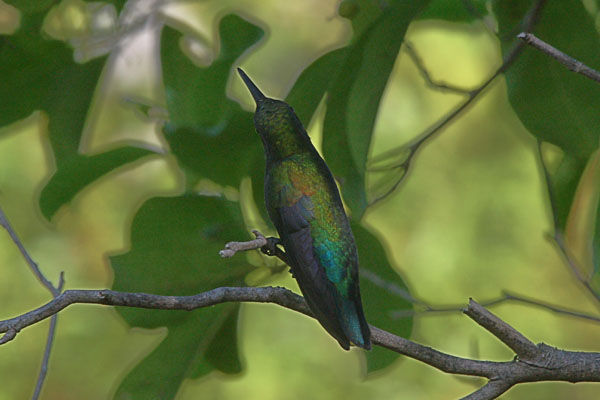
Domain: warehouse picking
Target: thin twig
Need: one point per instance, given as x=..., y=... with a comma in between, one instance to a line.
x=32, y=264
x=424, y=308
x=416, y=144
x=528, y=22
x=523, y=347
x=233, y=247
x=421, y=306
x=49, y=340
x=574, y=265
x=390, y=287
x=557, y=237
x=268, y=245
x=437, y=85
x=54, y=291
x=566, y=60
x=490, y=390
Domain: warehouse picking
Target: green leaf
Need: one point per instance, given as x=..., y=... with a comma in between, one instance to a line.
x=206, y=129
x=555, y=104
x=455, y=10
x=35, y=6
x=311, y=85
x=211, y=135
x=379, y=284
x=559, y=106
x=79, y=171
x=40, y=74
x=196, y=97
x=30, y=6
x=174, y=250
x=354, y=99
x=362, y=13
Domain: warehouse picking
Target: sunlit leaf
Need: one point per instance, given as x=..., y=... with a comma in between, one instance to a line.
x=582, y=223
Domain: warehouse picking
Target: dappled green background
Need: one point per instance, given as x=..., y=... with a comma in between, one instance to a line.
x=470, y=220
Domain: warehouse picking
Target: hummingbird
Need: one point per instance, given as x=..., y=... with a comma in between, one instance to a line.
x=304, y=204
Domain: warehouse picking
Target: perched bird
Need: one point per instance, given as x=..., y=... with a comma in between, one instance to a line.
x=304, y=204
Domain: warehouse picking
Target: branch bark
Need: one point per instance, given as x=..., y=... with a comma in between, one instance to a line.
x=569, y=62
x=535, y=363
x=55, y=291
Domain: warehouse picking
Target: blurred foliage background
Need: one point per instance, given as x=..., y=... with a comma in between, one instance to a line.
x=471, y=219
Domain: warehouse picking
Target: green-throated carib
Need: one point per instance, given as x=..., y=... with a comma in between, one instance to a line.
x=304, y=204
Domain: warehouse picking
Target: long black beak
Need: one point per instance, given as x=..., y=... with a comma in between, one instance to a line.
x=254, y=90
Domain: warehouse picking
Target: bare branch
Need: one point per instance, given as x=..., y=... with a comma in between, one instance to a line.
x=9, y=335
x=55, y=291
x=550, y=364
x=49, y=340
x=438, y=85
x=491, y=390
x=32, y=264
x=566, y=60
x=233, y=247
x=528, y=22
x=442, y=361
x=389, y=287
x=506, y=296
x=268, y=245
x=522, y=346
x=262, y=243
x=557, y=237
x=573, y=264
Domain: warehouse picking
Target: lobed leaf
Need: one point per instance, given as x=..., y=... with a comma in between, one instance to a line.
x=211, y=135
x=175, y=245
x=79, y=171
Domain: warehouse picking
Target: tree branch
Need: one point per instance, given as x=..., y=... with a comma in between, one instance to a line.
x=55, y=291
x=32, y=264
x=505, y=297
x=267, y=245
x=566, y=60
x=49, y=340
x=529, y=20
x=522, y=346
x=490, y=390
x=533, y=362
x=550, y=364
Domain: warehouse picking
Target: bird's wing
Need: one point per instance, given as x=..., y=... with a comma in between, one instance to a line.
x=311, y=259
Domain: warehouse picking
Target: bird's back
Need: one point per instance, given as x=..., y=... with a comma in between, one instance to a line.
x=305, y=206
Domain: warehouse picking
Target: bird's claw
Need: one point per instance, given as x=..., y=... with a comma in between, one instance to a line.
x=270, y=248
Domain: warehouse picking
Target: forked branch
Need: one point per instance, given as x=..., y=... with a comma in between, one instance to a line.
x=533, y=362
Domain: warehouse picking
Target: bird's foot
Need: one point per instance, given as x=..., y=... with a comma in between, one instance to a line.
x=270, y=248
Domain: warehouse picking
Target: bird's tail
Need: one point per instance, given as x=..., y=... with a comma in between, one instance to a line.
x=355, y=325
